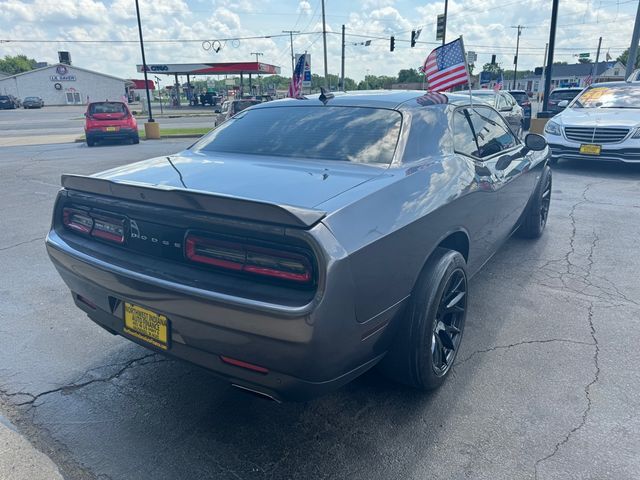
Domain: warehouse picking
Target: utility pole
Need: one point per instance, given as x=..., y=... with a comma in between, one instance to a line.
x=291, y=32
x=324, y=41
x=144, y=63
x=594, y=69
x=633, y=49
x=444, y=32
x=552, y=44
x=342, y=68
x=544, y=68
x=515, y=59
x=257, y=54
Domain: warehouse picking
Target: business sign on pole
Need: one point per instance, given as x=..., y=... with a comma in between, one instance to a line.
x=306, y=78
x=584, y=55
x=472, y=57
x=440, y=28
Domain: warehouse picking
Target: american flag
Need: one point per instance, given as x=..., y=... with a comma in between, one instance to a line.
x=295, y=89
x=588, y=81
x=499, y=84
x=432, y=98
x=445, y=67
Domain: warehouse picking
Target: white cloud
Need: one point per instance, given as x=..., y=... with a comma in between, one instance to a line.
x=304, y=7
x=485, y=26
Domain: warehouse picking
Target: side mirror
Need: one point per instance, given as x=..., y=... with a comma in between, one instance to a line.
x=86, y=115
x=563, y=104
x=507, y=108
x=535, y=142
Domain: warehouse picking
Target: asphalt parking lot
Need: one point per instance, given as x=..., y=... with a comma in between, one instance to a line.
x=546, y=385
x=63, y=124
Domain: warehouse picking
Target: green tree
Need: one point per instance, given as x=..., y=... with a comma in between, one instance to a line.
x=584, y=60
x=624, y=57
x=492, y=67
x=17, y=64
x=409, y=75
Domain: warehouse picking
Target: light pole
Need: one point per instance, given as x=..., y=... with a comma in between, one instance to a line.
x=291, y=32
x=633, y=49
x=144, y=63
x=159, y=93
x=515, y=59
x=257, y=54
x=324, y=41
x=552, y=43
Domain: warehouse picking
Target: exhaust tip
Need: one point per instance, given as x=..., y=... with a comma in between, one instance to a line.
x=257, y=393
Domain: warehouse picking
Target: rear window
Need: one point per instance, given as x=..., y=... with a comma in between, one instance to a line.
x=564, y=95
x=111, y=107
x=520, y=96
x=32, y=98
x=356, y=134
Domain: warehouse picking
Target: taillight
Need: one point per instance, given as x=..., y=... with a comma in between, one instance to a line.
x=94, y=224
x=107, y=228
x=240, y=257
x=77, y=220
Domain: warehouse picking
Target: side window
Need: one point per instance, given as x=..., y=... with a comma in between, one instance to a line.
x=463, y=138
x=492, y=132
x=500, y=104
x=225, y=107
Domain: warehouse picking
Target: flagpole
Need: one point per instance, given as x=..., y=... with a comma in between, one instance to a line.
x=466, y=66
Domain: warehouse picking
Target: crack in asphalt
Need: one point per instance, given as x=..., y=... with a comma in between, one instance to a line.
x=78, y=385
x=20, y=243
x=587, y=392
x=587, y=280
x=517, y=344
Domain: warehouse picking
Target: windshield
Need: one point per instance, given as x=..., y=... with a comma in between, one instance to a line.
x=366, y=135
x=31, y=98
x=619, y=96
x=520, y=97
x=564, y=95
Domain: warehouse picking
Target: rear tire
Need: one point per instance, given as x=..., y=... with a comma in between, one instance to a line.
x=430, y=333
x=535, y=217
x=136, y=139
x=90, y=142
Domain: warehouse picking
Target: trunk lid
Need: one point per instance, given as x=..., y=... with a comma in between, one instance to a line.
x=279, y=181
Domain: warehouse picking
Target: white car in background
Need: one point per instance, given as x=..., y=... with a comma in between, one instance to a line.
x=602, y=123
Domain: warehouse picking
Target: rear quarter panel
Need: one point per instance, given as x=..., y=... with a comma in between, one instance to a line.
x=389, y=233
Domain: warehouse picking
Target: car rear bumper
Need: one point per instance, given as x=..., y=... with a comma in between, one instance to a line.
x=122, y=133
x=305, y=355
x=609, y=153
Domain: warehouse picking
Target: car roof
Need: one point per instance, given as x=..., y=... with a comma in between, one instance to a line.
x=392, y=99
x=516, y=91
x=567, y=89
x=614, y=84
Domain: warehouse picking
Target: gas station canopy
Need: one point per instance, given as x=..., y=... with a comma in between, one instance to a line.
x=232, y=68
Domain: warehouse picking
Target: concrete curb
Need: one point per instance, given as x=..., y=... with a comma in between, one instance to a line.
x=162, y=137
x=19, y=460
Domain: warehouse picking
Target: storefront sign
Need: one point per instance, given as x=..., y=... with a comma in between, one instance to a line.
x=62, y=78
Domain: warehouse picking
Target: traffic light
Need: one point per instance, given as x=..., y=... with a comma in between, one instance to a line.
x=413, y=38
x=392, y=44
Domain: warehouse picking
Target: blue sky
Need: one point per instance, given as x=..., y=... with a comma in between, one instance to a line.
x=486, y=26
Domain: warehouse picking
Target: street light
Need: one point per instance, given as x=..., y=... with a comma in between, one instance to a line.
x=144, y=63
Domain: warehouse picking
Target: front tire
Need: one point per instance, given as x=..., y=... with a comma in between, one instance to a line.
x=535, y=217
x=430, y=334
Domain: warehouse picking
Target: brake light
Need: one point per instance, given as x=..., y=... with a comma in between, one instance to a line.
x=77, y=220
x=107, y=228
x=239, y=257
x=94, y=224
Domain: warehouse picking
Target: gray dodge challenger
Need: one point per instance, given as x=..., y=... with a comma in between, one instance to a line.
x=305, y=241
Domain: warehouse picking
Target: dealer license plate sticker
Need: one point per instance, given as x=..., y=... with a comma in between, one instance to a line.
x=146, y=325
x=589, y=149
x=112, y=129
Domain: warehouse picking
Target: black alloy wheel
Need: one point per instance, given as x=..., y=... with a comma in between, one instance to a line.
x=429, y=334
x=545, y=203
x=448, y=323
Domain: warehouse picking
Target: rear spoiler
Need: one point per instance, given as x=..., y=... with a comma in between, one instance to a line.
x=216, y=204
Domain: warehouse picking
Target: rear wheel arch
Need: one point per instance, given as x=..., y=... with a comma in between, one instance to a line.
x=458, y=241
